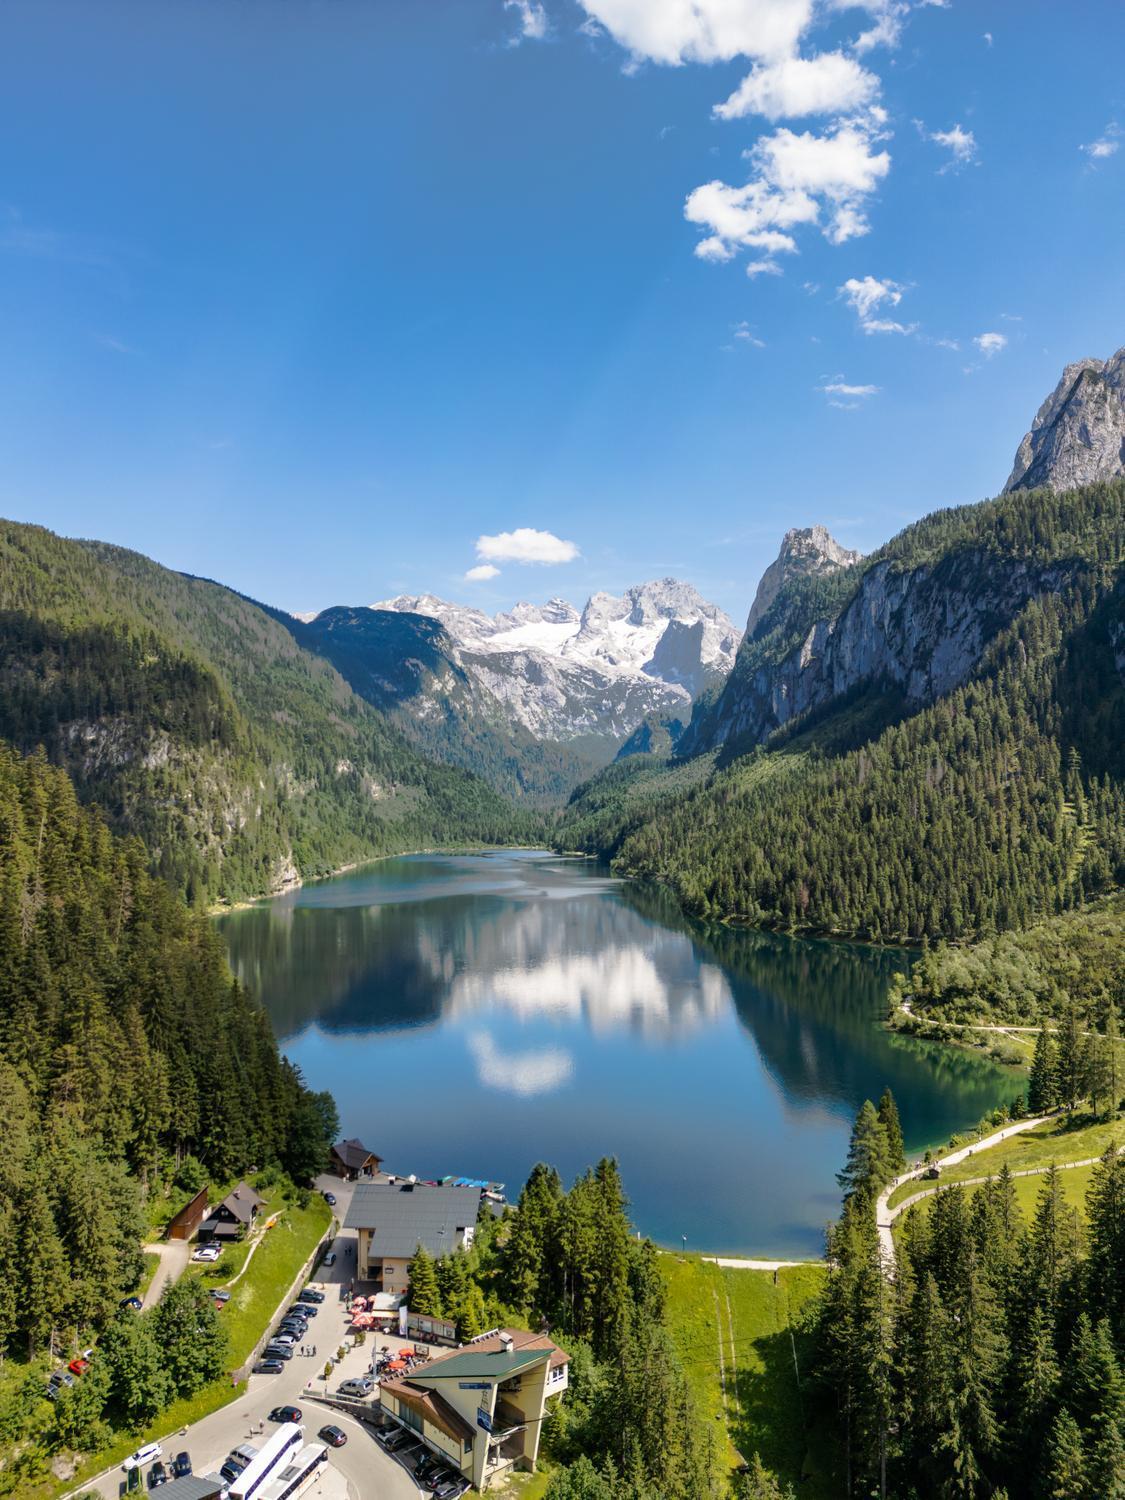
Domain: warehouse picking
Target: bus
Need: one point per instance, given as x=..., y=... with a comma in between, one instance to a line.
x=298, y=1473
x=275, y=1454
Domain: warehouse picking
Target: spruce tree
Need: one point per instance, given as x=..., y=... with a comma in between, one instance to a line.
x=425, y=1298
x=1042, y=1084
x=868, y=1165
x=888, y=1118
x=1066, y=1461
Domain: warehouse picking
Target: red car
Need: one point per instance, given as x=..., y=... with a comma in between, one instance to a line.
x=78, y=1366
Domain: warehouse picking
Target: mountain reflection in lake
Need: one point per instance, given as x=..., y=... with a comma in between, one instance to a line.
x=478, y=1013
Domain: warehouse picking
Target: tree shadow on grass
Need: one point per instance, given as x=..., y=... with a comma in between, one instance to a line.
x=772, y=1414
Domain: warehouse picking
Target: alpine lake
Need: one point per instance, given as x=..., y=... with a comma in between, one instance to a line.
x=475, y=1014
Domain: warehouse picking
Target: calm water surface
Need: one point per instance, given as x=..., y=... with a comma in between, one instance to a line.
x=474, y=1014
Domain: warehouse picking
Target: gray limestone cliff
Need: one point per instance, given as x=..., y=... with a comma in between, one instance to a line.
x=809, y=551
x=1078, y=435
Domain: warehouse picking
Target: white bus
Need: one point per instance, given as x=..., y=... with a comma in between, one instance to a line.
x=298, y=1473
x=275, y=1454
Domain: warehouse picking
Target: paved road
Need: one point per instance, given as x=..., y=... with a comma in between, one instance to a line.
x=174, y=1256
x=885, y=1216
x=369, y=1472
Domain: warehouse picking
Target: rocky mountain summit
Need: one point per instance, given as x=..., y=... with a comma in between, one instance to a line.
x=1078, y=435
x=564, y=674
x=808, y=551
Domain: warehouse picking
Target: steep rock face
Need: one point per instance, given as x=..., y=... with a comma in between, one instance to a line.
x=564, y=674
x=1078, y=435
x=808, y=551
x=919, y=630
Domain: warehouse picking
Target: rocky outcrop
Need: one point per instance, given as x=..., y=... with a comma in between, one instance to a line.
x=1078, y=435
x=918, y=630
x=810, y=551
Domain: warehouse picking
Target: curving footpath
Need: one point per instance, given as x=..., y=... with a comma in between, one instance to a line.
x=885, y=1216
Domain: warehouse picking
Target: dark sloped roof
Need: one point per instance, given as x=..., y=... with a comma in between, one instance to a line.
x=243, y=1202
x=193, y=1487
x=353, y=1153
x=403, y=1216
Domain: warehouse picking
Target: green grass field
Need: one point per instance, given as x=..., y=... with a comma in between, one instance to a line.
x=1056, y=1141
x=739, y=1336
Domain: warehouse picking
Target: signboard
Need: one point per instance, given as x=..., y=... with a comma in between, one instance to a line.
x=474, y=1385
x=483, y=1419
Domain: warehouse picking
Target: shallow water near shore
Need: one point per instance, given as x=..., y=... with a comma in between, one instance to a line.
x=474, y=1014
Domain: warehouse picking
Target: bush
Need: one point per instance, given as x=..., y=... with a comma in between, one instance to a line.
x=191, y=1175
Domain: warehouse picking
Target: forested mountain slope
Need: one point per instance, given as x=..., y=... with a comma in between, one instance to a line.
x=197, y=722
x=409, y=666
x=124, y=1045
x=969, y=776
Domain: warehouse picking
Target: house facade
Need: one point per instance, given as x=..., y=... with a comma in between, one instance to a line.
x=482, y=1407
x=392, y=1219
x=234, y=1215
x=352, y=1161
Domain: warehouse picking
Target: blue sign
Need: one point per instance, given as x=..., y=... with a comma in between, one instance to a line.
x=474, y=1385
x=483, y=1419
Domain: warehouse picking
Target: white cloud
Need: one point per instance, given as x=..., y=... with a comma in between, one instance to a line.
x=990, y=343
x=705, y=31
x=763, y=266
x=887, y=16
x=960, y=143
x=526, y=545
x=481, y=573
x=744, y=332
x=866, y=295
x=532, y=18
x=1106, y=145
x=842, y=388
x=947, y=343
x=797, y=175
x=791, y=86
x=987, y=38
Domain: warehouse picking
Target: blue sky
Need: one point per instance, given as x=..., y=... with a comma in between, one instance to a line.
x=309, y=295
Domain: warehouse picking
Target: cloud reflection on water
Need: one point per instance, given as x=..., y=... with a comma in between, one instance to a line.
x=538, y=1070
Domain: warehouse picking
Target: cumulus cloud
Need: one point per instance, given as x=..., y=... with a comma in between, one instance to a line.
x=823, y=178
x=532, y=19
x=1106, y=145
x=525, y=545
x=482, y=573
x=990, y=343
x=960, y=143
x=704, y=31
x=866, y=295
x=829, y=84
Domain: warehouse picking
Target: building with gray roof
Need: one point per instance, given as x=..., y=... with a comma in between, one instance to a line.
x=393, y=1218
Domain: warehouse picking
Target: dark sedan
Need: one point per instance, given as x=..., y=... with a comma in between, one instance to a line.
x=285, y=1414
x=335, y=1437
x=268, y=1367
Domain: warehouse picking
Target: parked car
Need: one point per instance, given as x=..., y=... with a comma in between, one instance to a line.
x=304, y=1309
x=397, y=1438
x=207, y=1252
x=79, y=1366
x=360, y=1385
x=132, y=1304
x=451, y=1488
x=221, y=1296
x=157, y=1475
x=293, y=1325
x=268, y=1366
x=181, y=1466
x=143, y=1455
x=310, y=1294
x=277, y=1351
x=285, y=1338
x=329, y=1259
x=285, y=1414
x=335, y=1437
x=133, y=1482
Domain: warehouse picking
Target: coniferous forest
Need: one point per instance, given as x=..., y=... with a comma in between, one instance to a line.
x=125, y=1047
